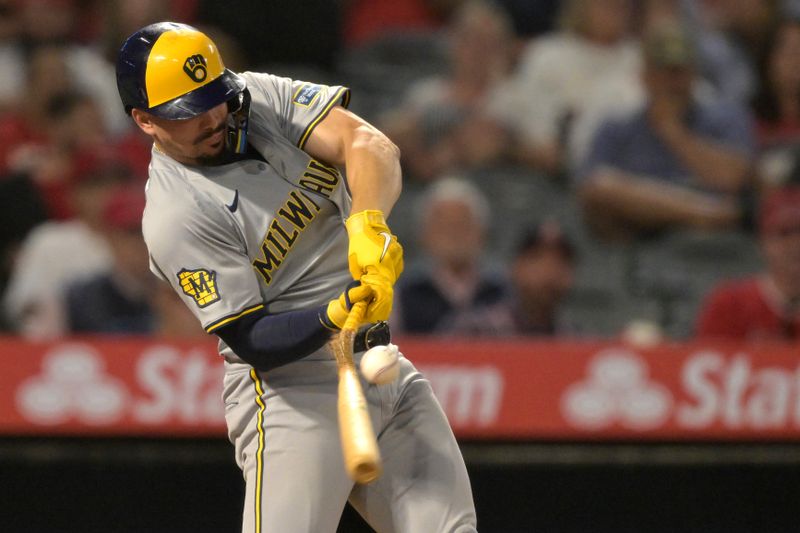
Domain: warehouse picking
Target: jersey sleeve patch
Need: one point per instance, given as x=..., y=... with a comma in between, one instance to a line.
x=306, y=94
x=343, y=96
x=200, y=284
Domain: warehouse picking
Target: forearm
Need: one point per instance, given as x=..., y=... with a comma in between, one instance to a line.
x=650, y=203
x=371, y=160
x=372, y=163
x=269, y=341
x=539, y=156
x=716, y=167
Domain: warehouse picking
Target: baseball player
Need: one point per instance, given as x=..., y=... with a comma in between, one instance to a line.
x=251, y=219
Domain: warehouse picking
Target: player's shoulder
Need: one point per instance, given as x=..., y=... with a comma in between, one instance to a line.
x=168, y=190
x=267, y=92
x=264, y=83
x=263, y=78
x=278, y=90
x=176, y=210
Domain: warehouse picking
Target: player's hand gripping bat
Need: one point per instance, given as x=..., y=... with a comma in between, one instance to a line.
x=360, y=448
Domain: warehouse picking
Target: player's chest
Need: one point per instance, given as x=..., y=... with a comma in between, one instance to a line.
x=285, y=222
x=255, y=191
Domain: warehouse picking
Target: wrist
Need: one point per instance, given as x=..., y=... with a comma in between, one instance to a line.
x=325, y=319
x=368, y=218
x=673, y=132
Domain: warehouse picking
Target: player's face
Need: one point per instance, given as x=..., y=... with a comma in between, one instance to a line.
x=196, y=141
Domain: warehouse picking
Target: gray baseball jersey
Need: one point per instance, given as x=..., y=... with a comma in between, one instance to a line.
x=253, y=234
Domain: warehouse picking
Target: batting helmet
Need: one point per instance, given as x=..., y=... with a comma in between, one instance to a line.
x=174, y=71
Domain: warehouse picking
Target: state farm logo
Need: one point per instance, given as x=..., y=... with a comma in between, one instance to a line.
x=617, y=390
x=72, y=384
x=167, y=386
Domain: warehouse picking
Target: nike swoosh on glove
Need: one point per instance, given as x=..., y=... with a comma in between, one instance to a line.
x=372, y=245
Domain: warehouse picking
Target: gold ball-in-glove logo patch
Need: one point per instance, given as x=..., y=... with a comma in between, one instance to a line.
x=200, y=284
x=195, y=68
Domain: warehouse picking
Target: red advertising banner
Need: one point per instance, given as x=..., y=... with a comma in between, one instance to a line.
x=110, y=386
x=489, y=389
x=561, y=390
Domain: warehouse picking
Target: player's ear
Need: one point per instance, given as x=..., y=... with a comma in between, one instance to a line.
x=143, y=119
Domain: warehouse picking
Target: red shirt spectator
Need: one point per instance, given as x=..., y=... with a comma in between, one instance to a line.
x=766, y=306
x=777, y=103
x=748, y=309
x=366, y=20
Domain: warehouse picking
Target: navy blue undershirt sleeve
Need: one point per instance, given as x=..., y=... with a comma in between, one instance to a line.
x=268, y=341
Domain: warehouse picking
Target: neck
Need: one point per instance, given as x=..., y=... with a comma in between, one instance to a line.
x=600, y=39
x=458, y=283
x=177, y=157
x=788, y=287
x=536, y=313
x=460, y=270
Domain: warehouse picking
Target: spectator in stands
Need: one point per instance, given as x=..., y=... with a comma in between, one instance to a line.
x=452, y=286
x=11, y=64
x=58, y=252
x=304, y=33
x=721, y=74
x=532, y=19
x=56, y=23
x=677, y=161
x=39, y=184
x=117, y=300
x=76, y=137
x=53, y=121
x=365, y=21
x=443, y=125
x=777, y=103
x=558, y=76
x=120, y=18
x=29, y=171
x=542, y=274
x=765, y=306
x=51, y=159
x=172, y=318
x=23, y=128
x=777, y=106
x=731, y=35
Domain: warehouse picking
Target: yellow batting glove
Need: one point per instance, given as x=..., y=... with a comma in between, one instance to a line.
x=336, y=312
x=372, y=245
x=380, y=304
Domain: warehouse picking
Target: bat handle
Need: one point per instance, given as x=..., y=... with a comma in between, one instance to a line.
x=355, y=317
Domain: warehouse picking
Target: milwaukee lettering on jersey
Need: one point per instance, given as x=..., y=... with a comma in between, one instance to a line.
x=320, y=178
x=293, y=218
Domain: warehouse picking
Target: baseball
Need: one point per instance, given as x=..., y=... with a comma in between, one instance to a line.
x=380, y=364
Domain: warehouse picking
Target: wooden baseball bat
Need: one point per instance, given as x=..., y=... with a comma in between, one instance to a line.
x=362, y=458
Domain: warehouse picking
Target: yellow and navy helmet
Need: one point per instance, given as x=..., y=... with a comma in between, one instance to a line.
x=174, y=71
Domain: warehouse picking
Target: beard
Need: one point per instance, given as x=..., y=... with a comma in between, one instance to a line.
x=211, y=160
x=219, y=154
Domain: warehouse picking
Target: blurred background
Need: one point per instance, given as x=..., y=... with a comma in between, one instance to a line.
x=601, y=221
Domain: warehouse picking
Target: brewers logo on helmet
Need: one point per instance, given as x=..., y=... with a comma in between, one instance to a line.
x=174, y=71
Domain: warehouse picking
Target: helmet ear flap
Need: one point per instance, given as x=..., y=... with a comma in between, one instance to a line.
x=238, y=120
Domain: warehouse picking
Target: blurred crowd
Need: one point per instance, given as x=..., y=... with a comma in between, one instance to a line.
x=579, y=168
